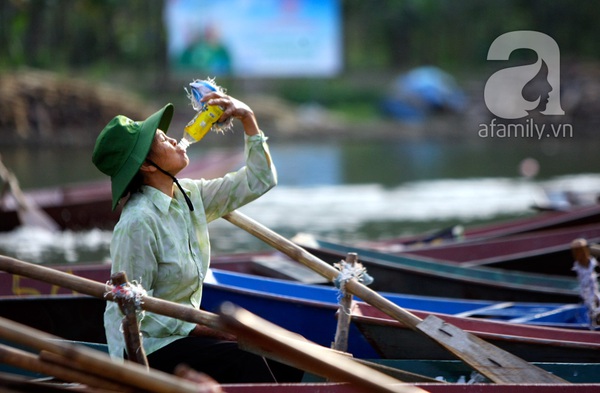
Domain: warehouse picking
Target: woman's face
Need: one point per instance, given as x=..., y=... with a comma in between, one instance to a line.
x=167, y=154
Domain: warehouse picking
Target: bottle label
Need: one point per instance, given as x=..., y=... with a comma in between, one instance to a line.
x=199, y=126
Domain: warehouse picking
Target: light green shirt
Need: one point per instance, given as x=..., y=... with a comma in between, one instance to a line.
x=165, y=247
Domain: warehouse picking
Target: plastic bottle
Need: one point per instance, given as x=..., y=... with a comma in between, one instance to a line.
x=200, y=125
x=207, y=115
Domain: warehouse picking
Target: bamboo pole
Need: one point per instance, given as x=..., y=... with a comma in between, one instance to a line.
x=56, y=368
x=95, y=362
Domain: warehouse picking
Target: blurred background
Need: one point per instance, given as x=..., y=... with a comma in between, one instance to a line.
x=374, y=109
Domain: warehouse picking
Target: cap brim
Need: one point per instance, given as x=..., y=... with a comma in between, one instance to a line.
x=120, y=181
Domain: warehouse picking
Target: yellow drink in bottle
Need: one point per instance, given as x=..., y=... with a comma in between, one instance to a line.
x=199, y=126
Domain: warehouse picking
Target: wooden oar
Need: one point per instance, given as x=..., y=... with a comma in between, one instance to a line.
x=494, y=363
x=29, y=213
x=311, y=357
x=159, y=306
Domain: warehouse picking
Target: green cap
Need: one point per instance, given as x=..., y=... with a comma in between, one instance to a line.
x=123, y=145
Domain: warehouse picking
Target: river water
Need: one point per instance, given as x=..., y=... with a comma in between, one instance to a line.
x=343, y=190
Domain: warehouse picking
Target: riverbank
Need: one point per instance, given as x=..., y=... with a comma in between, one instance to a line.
x=40, y=108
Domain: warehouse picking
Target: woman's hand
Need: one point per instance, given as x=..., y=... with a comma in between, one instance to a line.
x=233, y=108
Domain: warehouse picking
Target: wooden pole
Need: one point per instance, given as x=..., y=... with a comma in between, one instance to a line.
x=131, y=330
x=486, y=358
x=28, y=361
x=95, y=362
x=340, y=342
x=581, y=252
x=102, y=291
x=588, y=285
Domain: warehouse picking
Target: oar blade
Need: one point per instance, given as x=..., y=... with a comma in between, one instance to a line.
x=496, y=364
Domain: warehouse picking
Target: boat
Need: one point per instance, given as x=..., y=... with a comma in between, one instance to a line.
x=308, y=310
x=425, y=276
x=88, y=205
x=453, y=376
x=546, y=252
x=20, y=385
x=428, y=387
x=394, y=340
x=256, y=274
x=73, y=312
x=546, y=220
x=456, y=371
x=428, y=375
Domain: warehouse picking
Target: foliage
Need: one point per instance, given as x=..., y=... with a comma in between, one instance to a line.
x=379, y=34
x=57, y=34
x=125, y=41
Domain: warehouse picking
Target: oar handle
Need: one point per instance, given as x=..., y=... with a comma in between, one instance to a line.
x=326, y=270
x=103, y=291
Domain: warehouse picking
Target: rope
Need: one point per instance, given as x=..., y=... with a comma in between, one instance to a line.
x=588, y=289
x=129, y=291
x=347, y=273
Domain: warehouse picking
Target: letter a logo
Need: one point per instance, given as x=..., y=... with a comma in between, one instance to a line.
x=503, y=93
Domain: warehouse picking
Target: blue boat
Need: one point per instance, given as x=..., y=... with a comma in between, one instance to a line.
x=310, y=310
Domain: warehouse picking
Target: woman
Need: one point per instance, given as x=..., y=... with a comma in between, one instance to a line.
x=162, y=241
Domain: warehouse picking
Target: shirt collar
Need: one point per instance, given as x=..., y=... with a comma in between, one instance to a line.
x=159, y=199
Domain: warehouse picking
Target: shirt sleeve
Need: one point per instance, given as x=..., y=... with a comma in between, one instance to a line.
x=223, y=195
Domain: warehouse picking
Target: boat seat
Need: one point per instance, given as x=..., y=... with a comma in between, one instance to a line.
x=528, y=314
x=550, y=314
x=506, y=311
